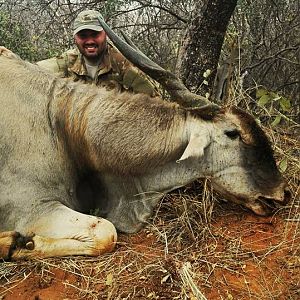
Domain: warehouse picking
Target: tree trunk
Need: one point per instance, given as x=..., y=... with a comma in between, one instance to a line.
x=202, y=43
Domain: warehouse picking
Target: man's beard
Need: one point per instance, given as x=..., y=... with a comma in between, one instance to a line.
x=92, y=52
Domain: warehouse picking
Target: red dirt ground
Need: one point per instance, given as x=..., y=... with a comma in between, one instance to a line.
x=251, y=258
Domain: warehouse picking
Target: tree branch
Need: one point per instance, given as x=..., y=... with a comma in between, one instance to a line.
x=172, y=13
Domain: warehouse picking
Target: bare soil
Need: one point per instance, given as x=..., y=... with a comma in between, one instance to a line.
x=240, y=256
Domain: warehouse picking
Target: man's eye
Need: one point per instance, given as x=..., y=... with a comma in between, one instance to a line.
x=232, y=134
x=82, y=36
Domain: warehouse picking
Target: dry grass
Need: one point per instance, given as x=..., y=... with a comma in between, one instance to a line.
x=196, y=247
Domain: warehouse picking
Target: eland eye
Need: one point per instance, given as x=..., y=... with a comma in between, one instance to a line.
x=232, y=134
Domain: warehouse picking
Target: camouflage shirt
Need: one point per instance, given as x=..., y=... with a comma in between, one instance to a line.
x=114, y=71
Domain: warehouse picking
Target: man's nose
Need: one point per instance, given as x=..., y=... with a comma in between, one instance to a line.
x=89, y=40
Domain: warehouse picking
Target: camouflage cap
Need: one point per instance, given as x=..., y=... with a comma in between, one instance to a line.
x=87, y=19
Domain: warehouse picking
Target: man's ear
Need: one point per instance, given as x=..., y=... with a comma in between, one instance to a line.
x=195, y=147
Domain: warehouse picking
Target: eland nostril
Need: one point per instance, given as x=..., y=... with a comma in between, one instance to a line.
x=287, y=196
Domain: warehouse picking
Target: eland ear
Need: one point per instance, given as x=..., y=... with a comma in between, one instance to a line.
x=195, y=147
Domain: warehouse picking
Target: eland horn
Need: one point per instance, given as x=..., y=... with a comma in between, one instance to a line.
x=175, y=88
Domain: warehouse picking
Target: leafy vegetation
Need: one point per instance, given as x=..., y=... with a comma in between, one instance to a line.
x=18, y=38
x=13, y=36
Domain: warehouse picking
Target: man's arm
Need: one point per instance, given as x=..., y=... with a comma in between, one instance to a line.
x=138, y=82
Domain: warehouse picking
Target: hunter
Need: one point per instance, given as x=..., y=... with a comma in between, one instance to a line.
x=97, y=61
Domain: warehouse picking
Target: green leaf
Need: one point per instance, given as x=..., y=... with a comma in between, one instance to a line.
x=274, y=96
x=261, y=92
x=283, y=165
x=276, y=121
x=263, y=100
x=285, y=104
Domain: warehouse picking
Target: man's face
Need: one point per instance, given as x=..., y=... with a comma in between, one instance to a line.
x=91, y=43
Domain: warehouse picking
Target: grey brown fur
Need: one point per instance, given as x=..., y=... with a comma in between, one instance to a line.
x=68, y=145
